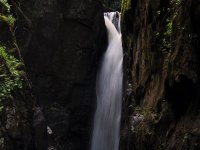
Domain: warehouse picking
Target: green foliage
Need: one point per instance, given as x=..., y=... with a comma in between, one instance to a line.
x=11, y=20
x=173, y=13
x=168, y=31
x=11, y=61
x=125, y=5
x=8, y=86
x=8, y=19
x=12, y=81
x=10, y=76
x=5, y=16
x=167, y=34
x=5, y=4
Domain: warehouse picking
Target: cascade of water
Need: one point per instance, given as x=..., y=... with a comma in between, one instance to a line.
x=115, y=18
x=106, y=130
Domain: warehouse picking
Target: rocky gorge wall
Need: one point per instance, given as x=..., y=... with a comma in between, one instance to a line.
x=22, y=125
x=161, y=46
x=61, y=43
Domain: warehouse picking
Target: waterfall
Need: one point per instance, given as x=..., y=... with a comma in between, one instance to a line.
x=106, y=132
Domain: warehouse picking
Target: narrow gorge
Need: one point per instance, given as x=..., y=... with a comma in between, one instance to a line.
x=99, y=75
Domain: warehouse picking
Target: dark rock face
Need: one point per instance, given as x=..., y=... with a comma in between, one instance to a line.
x=62, y=50
x=161, y=44
x=17, y=104
x=111, y=5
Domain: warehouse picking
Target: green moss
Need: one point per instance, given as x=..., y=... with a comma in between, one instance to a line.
x=5, y=4
x=169, y=27
x=10, y=20
x=11, y=81
x=5, y=13
x=125, y=5
x=166, y=41
x=173, y=13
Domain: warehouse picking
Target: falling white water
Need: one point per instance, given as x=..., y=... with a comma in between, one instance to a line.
x=106, y=130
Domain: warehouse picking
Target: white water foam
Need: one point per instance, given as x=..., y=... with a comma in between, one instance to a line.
x=106, y=132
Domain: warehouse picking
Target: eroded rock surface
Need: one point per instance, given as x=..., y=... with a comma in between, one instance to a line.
x=161, y=45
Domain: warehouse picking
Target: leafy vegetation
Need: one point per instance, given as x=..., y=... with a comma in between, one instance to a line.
x=5, y=4
x=10, y=81
x=173, y=13
x=6, y=17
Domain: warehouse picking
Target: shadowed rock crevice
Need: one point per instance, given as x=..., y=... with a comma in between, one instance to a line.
x=181, y=95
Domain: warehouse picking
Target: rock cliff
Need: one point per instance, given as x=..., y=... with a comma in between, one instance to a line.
x=21, y=124
x=161, y=46
x=61, y=43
